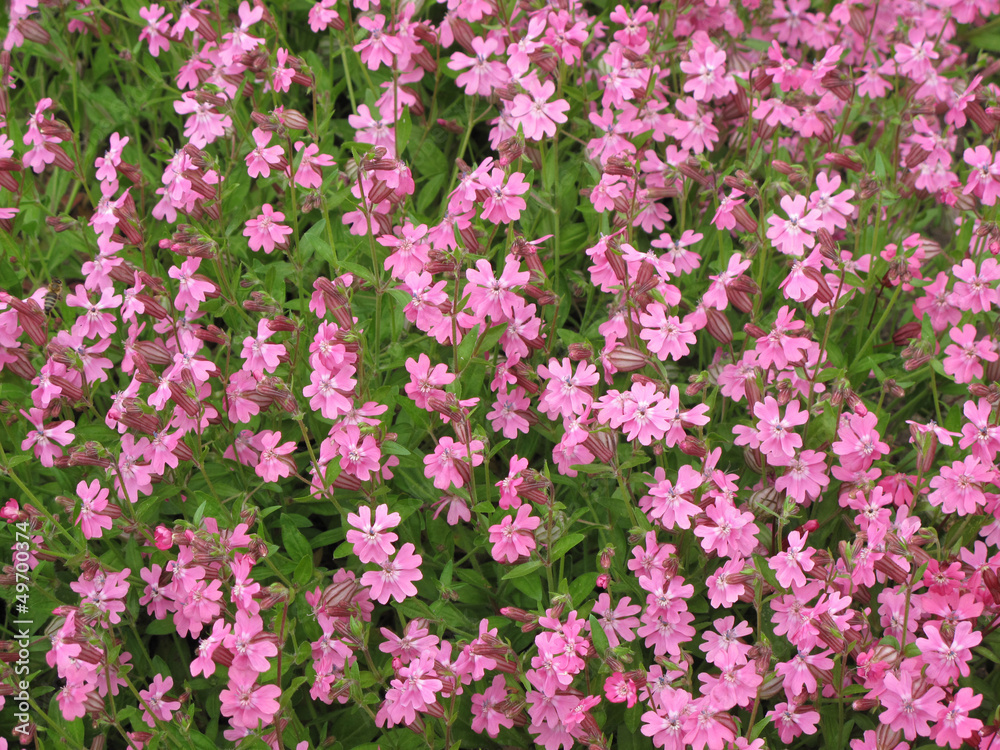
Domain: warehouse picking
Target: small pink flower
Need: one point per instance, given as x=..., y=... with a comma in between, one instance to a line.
x=262, y=158
x=512, y=538
x=249, y=704
x=273, y=462
x=792, y=235
x=502, y=204
x=265, y=232
x=372, y=540
x=154, y=702
x=396, y=577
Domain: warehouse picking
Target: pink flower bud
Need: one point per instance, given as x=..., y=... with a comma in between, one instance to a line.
x=163, y=538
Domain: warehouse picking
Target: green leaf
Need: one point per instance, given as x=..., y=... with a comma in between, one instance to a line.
x=524, y=569
x=314, y=242
x=564, y=545
x=404, y=126
x=598, y=636
x=760, y=563
x=296, y=546
x=303, y=571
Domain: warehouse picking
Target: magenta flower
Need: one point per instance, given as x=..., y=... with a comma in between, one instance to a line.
x=155, y=704
x=273, y=462
x=93, y=500
x=790, y=236
x=250, y=645
x=45, y=440
x=265, y=232
x=512, y=538
x=396, y=577
x=263, y=157
x=955, y=725
x=156, y=29
x=534, y=112
x=249, y=704
x=909, y=712
x=776, y=432
x=965, y=356
x=502, y=204
x=668, y=337
x=486, y=714
x=372, y=540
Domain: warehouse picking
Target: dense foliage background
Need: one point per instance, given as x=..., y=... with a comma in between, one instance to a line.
x=486, y=373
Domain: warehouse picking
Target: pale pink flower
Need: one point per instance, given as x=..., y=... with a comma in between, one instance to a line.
x=372, y=540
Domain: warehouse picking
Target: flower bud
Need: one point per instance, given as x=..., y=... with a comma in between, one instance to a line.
x=718, y=326
x=627, y=359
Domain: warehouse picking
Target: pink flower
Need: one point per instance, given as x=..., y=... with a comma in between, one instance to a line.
x=372, y=540
x=396, y=577
x=959, y=487
x=259, y=356
x=955, y=725
x=671, y=504
x=492, y=297
x=805, y=475
x=907, y=712
x=834, y=209
x=250, y=645
x=567, y=393
x=448, y=463
x=249, y=704
x=775, y=431
x=706, y=65
x=860, y=444
x=620, y=689
x=262, y=157
x=512, y=538
x=481, y=76
x=308, y=174
x=46, y=439
x=486, y=715
x=964, y=360
x=502, y=204
x=793, y=721
x=790, y=236
x=535, y=113
x=154, y=701
x=359, y=454
x=791, y=565
x=667, y=335
x=618, y=622
x=781, y=347
x=93, y=500
x=265, y=232
x=156, y=29
x=273, y=462
x=948, y=661
x=974, y=288
x=729, y=532
x=378, y=48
